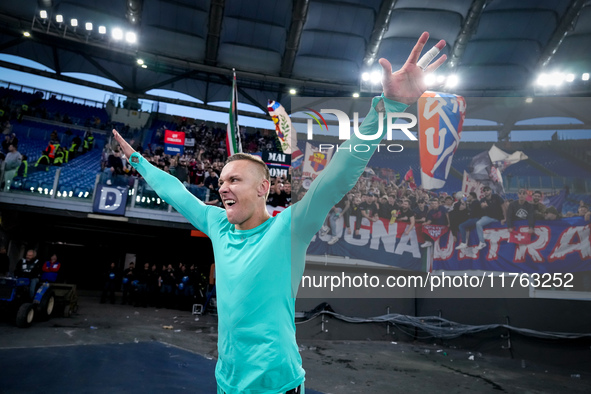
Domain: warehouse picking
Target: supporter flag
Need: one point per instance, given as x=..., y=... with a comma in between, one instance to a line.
x=297, y=157
x=409, y=177
x=435, y=231
x=282, y=123
x=441, y=117
x=233, y=143
x=520, y=238
x=315, y=161
x=486, y=167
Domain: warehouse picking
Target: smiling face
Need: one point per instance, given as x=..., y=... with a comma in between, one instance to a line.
x=244, y=190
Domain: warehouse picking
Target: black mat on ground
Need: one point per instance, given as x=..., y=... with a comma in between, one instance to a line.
x=145, y=367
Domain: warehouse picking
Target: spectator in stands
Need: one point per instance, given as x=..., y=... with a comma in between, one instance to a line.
x=111, y=280
x=335, y=213
x=29, y=267
x=539, y=207
x=212, y=181
x=277, y=196
x=369, y=210
x=7, y=128
x=421, y=211
x=448, y=203
x=458, y=215
x=437, y=215
x=491, y=210
x=552, y=214
x=406, y=216
x=12, y=162
x=23, y=169
x=520, y=209
x=114, y=168
x=584, y=212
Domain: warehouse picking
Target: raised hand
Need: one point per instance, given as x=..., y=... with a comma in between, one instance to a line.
x=407, y=84
x=127, y=149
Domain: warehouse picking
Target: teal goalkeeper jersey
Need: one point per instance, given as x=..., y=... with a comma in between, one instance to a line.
x=259, y=270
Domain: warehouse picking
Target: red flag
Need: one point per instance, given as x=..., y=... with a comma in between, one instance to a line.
x=520, y=238
x=409, y=176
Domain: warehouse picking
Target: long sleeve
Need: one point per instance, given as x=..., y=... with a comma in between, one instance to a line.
x=342, y=172
x=171, y=190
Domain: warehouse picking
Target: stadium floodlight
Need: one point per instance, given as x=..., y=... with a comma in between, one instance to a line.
x=556, y=78
x=144, y=66
x=543, y=79
x=365, y=76
x=529, y=100
x=376, y=77
x=117, y=34
x=570, y=77
x=43, y=14
x=140, y=61
x=59, y=18
x=440, y=78
x=74, y=22
x=131, y=37
x=452, y=81
x=355, y=95
x=102, y=30
x=292, y=91
x=585, y=77
x=26, y=34
x=89, y=26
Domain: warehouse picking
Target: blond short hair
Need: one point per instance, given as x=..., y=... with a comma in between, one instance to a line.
x=254, y=159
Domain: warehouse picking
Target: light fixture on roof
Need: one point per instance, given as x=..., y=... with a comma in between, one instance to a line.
x=144, y=66
x=74, y=22
x=570, y=77
x=440, y=78
x=130, y=37
x=585, y=77
x=59, y=18
x=43, y=14
x=365, y=76
x=102, y=30
x=26, y=34
x=117, y=33
x=292, y=91
x=529, y=100
x=355, y=95
x=543, y=79
x=140, y=61
x=89, y=26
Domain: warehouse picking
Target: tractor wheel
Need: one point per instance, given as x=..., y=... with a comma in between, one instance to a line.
x=46, y=305
x=25, y=315
x=67, y=311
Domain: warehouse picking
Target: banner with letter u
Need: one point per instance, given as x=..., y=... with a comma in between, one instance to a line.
x=441, y=117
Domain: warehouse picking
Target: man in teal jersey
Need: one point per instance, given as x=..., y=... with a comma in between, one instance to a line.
x=260, y=259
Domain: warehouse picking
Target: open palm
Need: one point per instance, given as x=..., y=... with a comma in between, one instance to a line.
x=407, y=84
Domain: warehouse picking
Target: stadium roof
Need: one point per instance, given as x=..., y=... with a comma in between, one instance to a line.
x=318, y=47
